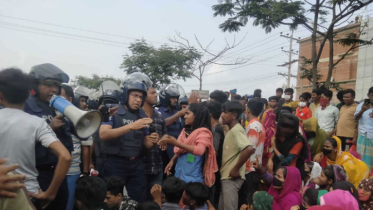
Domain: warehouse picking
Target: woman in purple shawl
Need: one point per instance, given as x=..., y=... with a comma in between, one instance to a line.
x=285, y=188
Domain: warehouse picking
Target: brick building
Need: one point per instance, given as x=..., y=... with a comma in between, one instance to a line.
x=344, y=73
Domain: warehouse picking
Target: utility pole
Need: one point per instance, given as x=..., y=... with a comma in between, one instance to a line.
x=290, y=54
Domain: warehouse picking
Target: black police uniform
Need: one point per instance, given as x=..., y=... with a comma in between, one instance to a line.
x=46, y=161
x=123, y=157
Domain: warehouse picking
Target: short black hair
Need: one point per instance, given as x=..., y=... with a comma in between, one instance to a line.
x=273, y=98
x=233, y=107
x=257, y=93
x=349, y=91
x=14, y=85
x=68, y=90
x=304, y=96
x=255, y=106
x=91, y=191
x=370, y=90
x=340, y=95
x=307, y=95
x=289, y=90
x=215, y=109
x=318, y=91
x=150, y=205
x=237, y=97
x=198, y=192
x=280, y=90
x=115, y=185
x=173, y=189
x=328, y=93
x=219, y=96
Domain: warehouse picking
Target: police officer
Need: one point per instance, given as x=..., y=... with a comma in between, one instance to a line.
x=124, y=139
x=108, y=95
x=47, y=80
x=169, y=96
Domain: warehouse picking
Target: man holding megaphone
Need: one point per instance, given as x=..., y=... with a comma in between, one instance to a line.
x=124, y=138
x=47, y=79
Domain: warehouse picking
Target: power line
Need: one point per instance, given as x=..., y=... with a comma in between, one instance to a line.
x=74, y=28
x=61, y=36
x=57, y=32
x=266, y=59
x=256, y=53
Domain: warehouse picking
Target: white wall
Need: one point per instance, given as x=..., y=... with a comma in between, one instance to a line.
x=364, y=76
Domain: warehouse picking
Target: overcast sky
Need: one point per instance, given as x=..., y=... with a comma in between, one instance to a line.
x=78, y=52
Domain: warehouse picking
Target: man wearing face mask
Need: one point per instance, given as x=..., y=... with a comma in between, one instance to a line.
x=289, y=99
x=327, y=115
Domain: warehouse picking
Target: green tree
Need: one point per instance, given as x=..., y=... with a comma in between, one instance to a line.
x=93, y=82
x=270, y=14
x=162, y=64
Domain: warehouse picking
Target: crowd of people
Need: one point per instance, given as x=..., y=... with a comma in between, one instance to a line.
x=164, y=150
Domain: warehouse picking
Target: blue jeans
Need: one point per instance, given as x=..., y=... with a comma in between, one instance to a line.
x=132, y=173
x=71, y=182
x=151, y=180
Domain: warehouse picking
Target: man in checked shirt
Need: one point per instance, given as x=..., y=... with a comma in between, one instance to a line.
x=153, y=160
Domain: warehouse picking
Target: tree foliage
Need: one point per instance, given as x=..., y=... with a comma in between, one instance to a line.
x=93, y=82
x=270, y=14
x=162, y=64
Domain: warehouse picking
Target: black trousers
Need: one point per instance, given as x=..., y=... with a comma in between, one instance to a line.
x=248, y=188
x=344, y=141
x=60, y=202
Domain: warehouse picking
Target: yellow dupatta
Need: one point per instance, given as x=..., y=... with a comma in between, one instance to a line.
x=356, y=169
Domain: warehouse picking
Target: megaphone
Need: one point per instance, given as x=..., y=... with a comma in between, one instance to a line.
x=86, y=122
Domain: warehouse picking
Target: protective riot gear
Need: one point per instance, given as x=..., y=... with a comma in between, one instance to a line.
x=135, y=82
x=80, y=92
x=166, y=93
x=48, y=74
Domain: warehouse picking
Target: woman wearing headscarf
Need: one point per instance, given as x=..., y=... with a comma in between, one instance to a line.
x=347, y=186
x=262, y=201
x=365, y=191
x=330, y=175
x=313, y=170
x=285, y=188
x=194, y=149
x=315, y=135
x=356, y=169
x=340, y=198
x=289, y=146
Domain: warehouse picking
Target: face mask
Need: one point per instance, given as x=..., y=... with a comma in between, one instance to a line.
x=287, y=97
x=276, y=182
x=302, y=104
x=326, y=152
x=362, y=195
x=323, y=102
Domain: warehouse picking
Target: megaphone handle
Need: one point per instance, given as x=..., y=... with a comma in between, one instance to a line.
x=105, y=113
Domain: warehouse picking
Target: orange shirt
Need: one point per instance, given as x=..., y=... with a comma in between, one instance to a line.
x=305, y=114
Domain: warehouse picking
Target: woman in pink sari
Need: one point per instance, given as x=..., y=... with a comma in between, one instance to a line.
x=195, y=155
x=340, y=198
x=285, y=188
